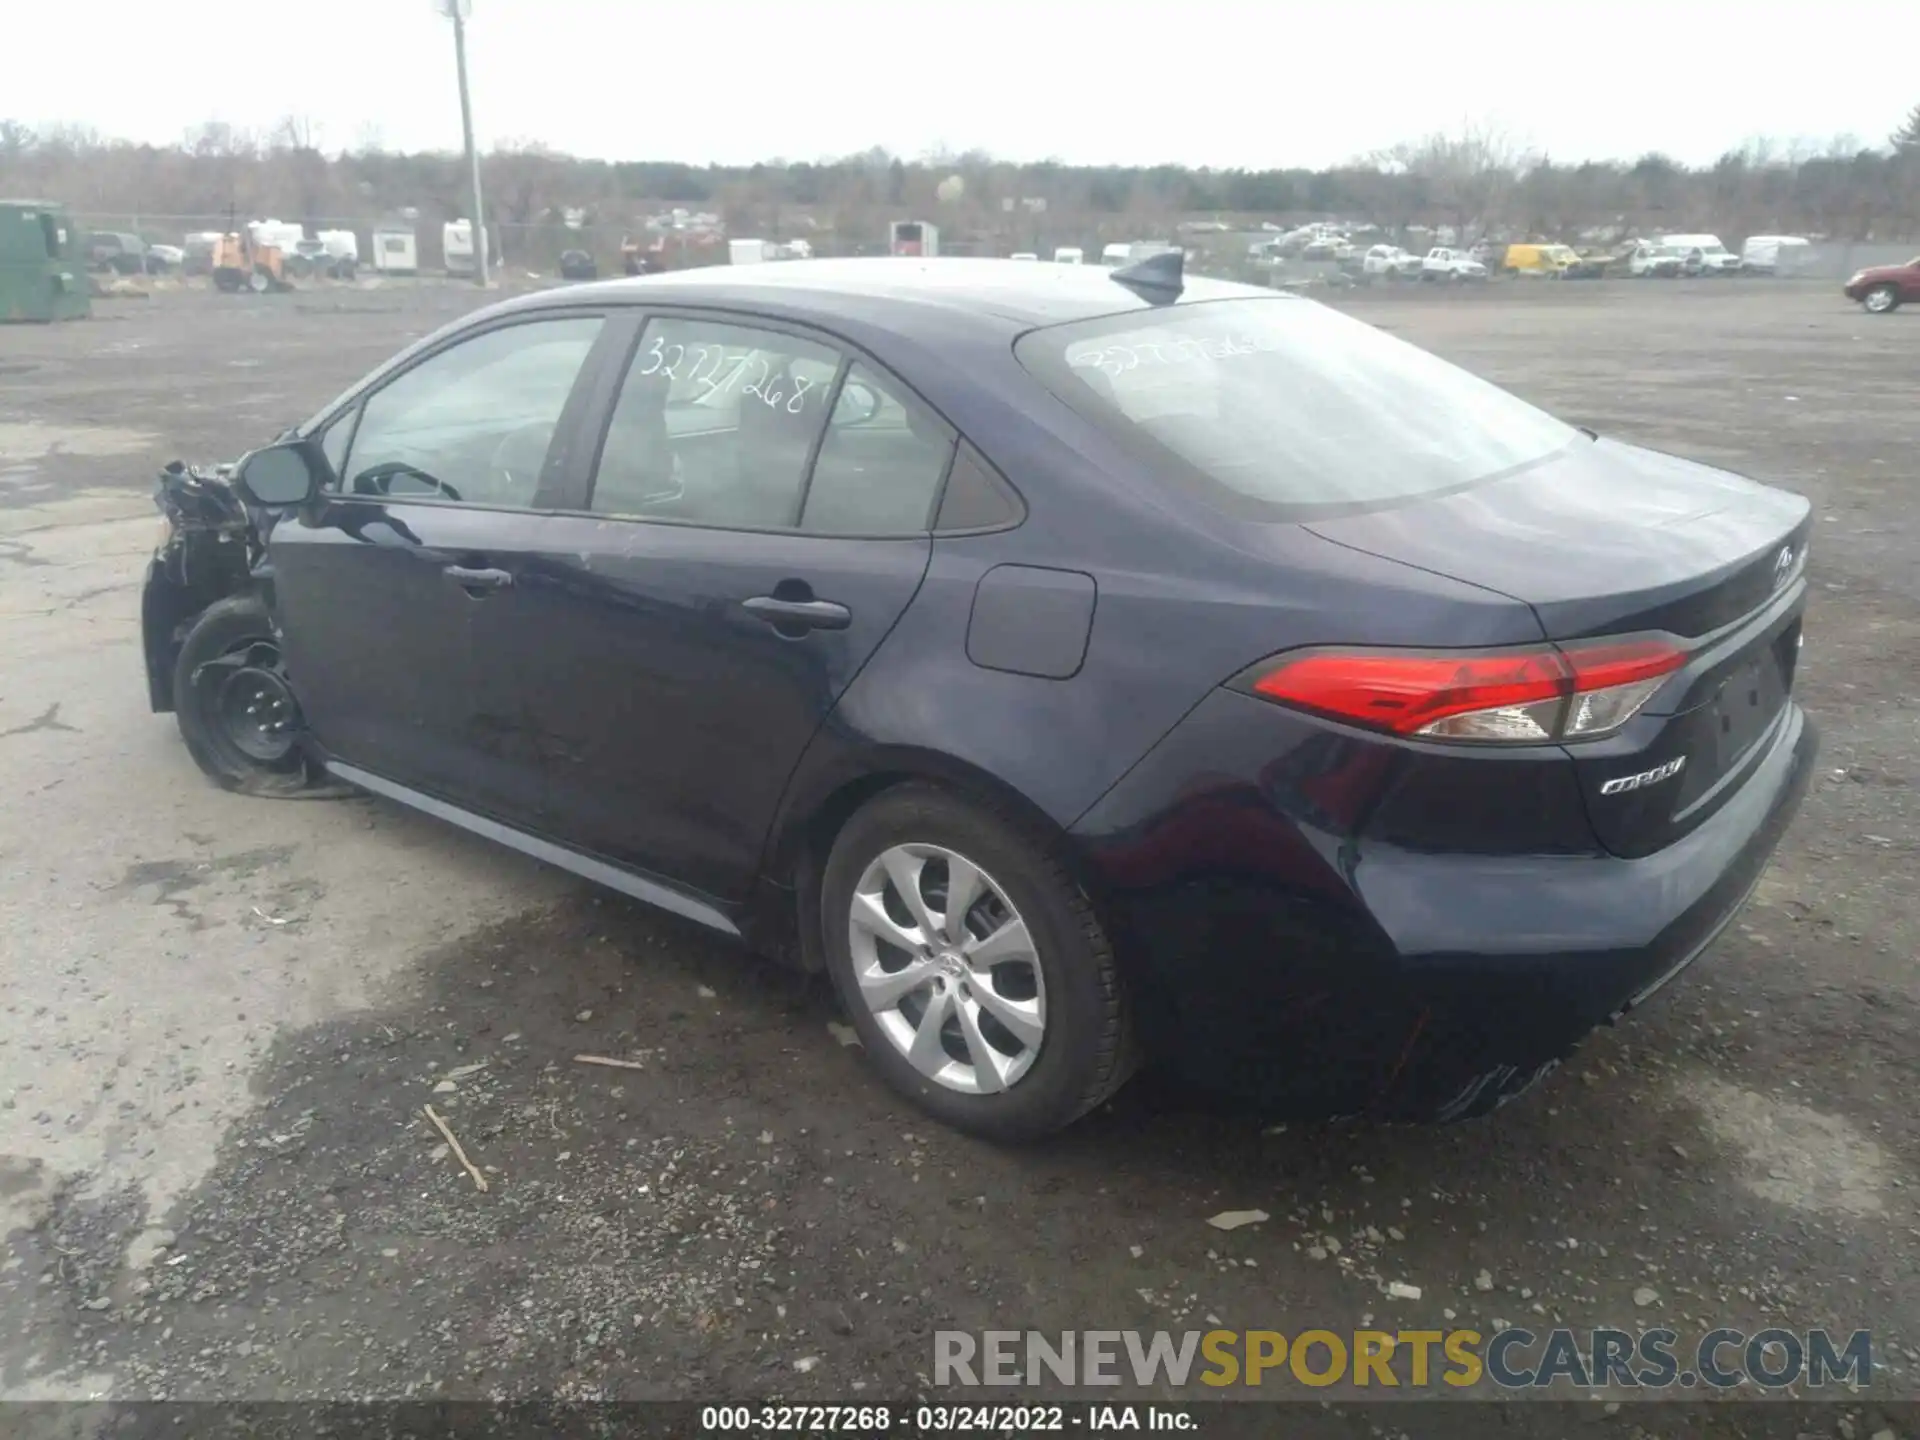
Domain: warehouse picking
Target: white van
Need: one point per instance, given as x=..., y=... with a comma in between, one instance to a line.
x=1069, y=255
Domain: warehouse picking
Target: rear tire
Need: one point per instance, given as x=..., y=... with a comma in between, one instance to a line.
x=1056, y=979
x=230, y=661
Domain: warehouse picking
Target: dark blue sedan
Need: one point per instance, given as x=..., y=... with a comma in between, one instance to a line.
x=1077, y=665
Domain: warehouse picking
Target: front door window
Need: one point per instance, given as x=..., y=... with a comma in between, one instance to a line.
x=471, y=425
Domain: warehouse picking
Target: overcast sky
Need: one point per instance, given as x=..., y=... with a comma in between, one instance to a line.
x=1226, y=83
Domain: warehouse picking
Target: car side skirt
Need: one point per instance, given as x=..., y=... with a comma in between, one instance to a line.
x=656, y=892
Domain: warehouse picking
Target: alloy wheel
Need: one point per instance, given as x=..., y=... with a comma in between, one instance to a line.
x=948, y=969
x=1880, y=301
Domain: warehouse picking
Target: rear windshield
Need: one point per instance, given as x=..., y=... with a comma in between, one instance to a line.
x=1274, y=406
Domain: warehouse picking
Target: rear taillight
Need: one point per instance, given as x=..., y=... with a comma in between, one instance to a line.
x=1574, y=692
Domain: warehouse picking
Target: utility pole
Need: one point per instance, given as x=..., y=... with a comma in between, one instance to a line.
x=457, y=11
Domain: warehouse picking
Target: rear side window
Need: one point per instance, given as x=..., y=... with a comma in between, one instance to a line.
x=880, y=463
x=1274, y=407
x=976, y=498
x=715, y=425
x=734, y=426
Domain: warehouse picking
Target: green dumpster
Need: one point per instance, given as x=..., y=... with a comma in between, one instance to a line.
x=43, y=272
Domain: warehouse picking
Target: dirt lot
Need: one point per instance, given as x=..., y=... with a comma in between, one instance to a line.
x=221, y=1016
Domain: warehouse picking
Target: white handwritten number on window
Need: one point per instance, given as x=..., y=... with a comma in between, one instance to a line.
x=716, y=372
x=1115, y=360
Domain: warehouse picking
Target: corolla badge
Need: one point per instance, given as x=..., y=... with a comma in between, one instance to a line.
x=1782, y=566
x=1624, y=783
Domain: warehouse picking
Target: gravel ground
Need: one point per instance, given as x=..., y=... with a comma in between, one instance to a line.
x=222, y=1017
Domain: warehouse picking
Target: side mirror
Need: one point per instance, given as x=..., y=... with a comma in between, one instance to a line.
x=283, y=474
x=857, y=404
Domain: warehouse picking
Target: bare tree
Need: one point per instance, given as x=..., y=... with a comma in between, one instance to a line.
x=1466, y=177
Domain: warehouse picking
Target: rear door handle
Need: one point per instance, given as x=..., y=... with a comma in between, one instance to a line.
x=799, y=615
x=478, y=581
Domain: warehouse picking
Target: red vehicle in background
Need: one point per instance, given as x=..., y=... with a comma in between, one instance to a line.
x=1882, y=289
x=913, y=237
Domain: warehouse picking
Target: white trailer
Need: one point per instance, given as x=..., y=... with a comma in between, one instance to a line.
x=456, y=247
x=751, y=252
x=396, y=250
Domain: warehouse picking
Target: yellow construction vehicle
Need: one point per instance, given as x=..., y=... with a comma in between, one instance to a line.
x=242, y=263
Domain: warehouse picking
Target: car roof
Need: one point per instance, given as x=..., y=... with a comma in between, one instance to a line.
x=906, y=311
x=1003, y=294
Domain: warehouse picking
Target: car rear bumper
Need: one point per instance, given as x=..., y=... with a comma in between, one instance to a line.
x=1319, y=976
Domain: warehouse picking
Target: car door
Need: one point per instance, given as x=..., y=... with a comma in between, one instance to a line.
x=382, y=585
x=756, y=518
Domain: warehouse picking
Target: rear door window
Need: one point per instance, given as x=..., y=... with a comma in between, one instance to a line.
x=880, y=464
x=716, y=424
x=1277, y=407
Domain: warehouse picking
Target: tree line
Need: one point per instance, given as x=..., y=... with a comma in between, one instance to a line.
x=1474, y=180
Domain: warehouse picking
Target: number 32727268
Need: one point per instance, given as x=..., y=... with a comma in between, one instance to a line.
x=715, y=371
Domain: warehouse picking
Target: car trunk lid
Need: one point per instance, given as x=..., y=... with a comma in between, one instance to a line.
x=1605, y=540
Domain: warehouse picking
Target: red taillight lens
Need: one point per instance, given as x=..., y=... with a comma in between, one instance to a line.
x=1502, y=696
x=1612, y=681
x=1407, y=693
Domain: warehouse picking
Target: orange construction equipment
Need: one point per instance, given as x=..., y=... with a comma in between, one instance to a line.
x=240, y=263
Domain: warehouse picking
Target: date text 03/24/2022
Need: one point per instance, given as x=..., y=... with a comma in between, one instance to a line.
x=941, y=1419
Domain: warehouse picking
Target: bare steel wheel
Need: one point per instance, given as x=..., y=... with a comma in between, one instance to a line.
x=947, y=968
x=972, y=963
x=237, y=711
x=255, y=709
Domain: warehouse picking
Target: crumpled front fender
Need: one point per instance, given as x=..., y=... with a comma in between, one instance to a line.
x=211, y=550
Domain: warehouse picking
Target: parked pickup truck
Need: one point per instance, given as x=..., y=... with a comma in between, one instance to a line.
x=1702, y=254
x=1651, y=261
x=1442, y=263
x=1391, y=262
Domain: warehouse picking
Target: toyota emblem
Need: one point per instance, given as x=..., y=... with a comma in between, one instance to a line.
x=1782, y=566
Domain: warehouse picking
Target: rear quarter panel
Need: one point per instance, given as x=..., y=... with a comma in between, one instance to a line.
x=1185, y=599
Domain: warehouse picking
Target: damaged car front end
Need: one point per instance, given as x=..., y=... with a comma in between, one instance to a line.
x=208, y=551
x=211, y=643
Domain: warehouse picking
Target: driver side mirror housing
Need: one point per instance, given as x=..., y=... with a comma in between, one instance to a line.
x=288, y=473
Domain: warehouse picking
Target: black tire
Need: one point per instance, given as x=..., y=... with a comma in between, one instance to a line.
x=1087, y=1050
x=227, y=630
x=1887, y=305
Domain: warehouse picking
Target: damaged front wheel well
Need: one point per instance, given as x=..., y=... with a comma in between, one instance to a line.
x=169, y=609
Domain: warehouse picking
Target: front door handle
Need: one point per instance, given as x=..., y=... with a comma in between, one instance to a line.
x=478, y=581
x=799, y=616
